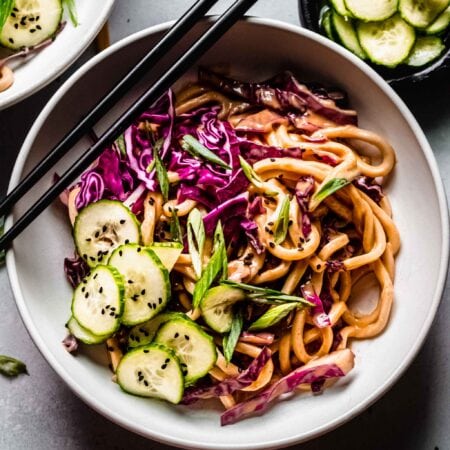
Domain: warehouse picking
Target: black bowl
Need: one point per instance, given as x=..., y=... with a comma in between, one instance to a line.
x=309, y=18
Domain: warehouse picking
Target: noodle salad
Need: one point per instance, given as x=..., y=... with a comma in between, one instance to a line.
x=219, y=239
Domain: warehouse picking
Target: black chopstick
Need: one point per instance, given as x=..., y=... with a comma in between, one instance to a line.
x=204, y=43
x=173, y=35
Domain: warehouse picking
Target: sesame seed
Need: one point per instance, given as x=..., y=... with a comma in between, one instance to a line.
x=97, y=234
x=149, y=305
x=319, y=266
x=146, y=382
x=13, y=15
x=186, y=337
x=95, y=276
x=112, y=314
x=143, y=292
x=130, y=281
x=272, y=244
x=163, y=367
x=104, y=228
x=86, y=295
x=16, y=26
x=160, y=300
x=146, y=351
x=11, y=40
x=270, y=223
x=272, y=159
x=83, y=289
x=122, y=221
x=167, y=361
x=176, y=335
x=103, y=311
x=38, y=27
x=110, y=349
x=127, y=241
x=139, y=249
x=120, y=252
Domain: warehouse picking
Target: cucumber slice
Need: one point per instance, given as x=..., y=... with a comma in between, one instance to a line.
x=151, y=371
x=387, y=43
x=167, y=252
x=97, y=303
x=147, y=286
x=347, y=34
x=30, y=23
x=217, y=307
x=144, y=333
x=82, y=334
x=440, y=24
x=194, y=348
x=326, y=25
x=372, y=10
x=421, y=13
x=339, y=7
x=425, y=50
x=101, y=227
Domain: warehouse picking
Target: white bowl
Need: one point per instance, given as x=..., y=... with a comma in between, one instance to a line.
x=36, y=72
x=415, y=189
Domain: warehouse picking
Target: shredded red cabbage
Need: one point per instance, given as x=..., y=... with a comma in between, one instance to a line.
x=230, y=385
x=303, y=191
x=369, y=187
x=320, y=317
x=76, y=270
x=70, y=343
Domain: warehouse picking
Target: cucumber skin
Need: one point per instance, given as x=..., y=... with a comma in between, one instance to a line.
x=445, y=16
x=161, y=266
x=362, y=19
x=118, y=279
x=192, y=324
x=360, y=53
x=418, y=42
x=7, y=44
x=93, y=339
x=103, y=201
x=151, y=346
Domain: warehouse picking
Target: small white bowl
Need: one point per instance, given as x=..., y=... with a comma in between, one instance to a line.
x=254, y=49
x=40, y=69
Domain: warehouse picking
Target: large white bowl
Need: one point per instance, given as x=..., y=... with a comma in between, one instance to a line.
x=253, y=49
x=36, y=72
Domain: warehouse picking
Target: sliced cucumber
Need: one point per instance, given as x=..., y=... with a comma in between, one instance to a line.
x=167, y=252
x=346, y=33
x=440, y=24
x=339, y=6
x=387, y=43
x=217, y=307
x=101, y=227
x=372, y=10
x=147, y=286
x=97, y=303
x=326, y=25
x=144, y=333
x=82, y=334
x=151, y=371
x=425, y=50
x=30, y=23
x=421, y=13
x=192, y=345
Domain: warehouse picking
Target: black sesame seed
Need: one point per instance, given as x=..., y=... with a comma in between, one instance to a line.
x=151, y=201
x=122, y=221
x=270, y=223
x=272, y=244
x=138, y=249
x=113, y=308
x=13, y=14
x=186, y=337
x=143, y=292
x=127, y=241
x=146, y=333
x=107, y=306
x=110, y=349
x=38, y=27
x=86, y=295
x=16, y=26
x=120, y=252
x=146, y=351
x=104, y=228
x=130, y=281
x=103, y=311
x=290, y=222
x=100, y=290
x=95, y=276
x=176, y=335
x=272, y=159
x=112, y=314
x=160, y=300
x=117, y=316
x=85, y=256
x=83, y=289
x=15, y=9
x=183, y=365
x=146, y=382
x=97, y=234
x=167, y=361
x=163, y=367
x=319, y=266
x=11, y=40
x=149, y=305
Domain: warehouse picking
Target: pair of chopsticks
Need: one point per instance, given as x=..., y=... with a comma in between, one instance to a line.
x=218, y=28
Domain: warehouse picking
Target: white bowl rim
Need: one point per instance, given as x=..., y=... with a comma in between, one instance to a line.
x=78, y=388
x=65, y=63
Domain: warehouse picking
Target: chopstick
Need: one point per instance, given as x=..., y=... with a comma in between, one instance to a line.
x=203, y=44
x=175, y=33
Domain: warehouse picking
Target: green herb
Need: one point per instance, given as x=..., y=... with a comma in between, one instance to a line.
x=220, y=247
x=120, y=143
x=6, y=7
x=272, y=316
x=150, y=167
x=11, y=367
x=282, y=222
x=253, y=177
x=266, y=295
x=212, y=269
x=72, y=10
x=196, y=239
x=175, y=227
x=330, y=187
x=196, y=148
x=230, y=341
x=161, y=172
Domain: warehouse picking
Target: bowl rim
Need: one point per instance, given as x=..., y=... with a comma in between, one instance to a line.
x=117, y=418
x=65, y=63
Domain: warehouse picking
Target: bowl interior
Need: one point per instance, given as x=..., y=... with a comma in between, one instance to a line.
x=309, y=18
x=43, y=295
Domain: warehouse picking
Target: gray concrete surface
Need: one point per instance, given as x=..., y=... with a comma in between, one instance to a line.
x=39, y=412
